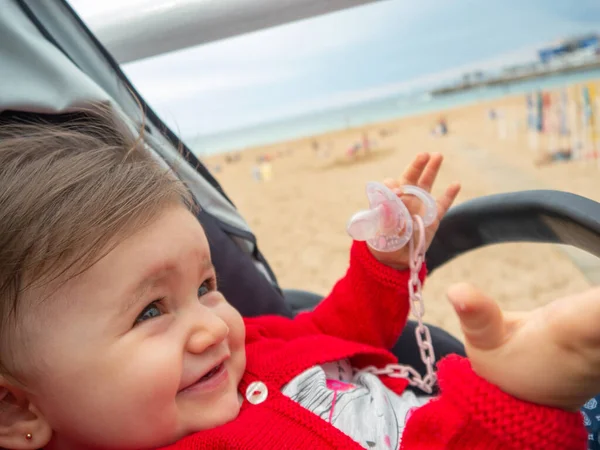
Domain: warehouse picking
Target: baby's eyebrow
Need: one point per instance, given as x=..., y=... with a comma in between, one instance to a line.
x=150, y=280
x=156, y=275
x=207, y=265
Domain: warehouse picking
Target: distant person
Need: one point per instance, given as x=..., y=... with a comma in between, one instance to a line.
x=443, y=126
x=440, y=128
x=256, y=173
x=315, y=145
x=366, y=144
x=266, y=171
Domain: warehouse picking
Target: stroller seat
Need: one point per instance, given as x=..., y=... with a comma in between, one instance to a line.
x=53, y=65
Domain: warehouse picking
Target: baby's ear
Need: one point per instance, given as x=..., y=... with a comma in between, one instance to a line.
x=22, y=427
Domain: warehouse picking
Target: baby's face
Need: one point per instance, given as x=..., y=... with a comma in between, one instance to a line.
x=140, y=349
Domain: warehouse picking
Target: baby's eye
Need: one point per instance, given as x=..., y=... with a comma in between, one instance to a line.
x=149, y=312
x=206, y=287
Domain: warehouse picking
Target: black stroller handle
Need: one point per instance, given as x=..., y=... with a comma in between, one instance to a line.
x=544, y=216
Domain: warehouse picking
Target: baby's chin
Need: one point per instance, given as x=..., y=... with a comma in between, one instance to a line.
x=226, y=411
x=234, y=411
x=231, y=408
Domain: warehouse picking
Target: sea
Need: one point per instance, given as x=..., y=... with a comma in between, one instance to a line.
x=373, y=111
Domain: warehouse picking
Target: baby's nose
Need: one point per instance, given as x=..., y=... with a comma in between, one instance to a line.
x=206, y=332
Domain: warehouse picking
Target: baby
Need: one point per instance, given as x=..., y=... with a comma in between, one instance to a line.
x=114, y=334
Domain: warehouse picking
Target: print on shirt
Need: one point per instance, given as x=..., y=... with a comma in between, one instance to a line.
x=359, y=405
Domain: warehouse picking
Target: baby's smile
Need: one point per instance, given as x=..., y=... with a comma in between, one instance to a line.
x=212, y=380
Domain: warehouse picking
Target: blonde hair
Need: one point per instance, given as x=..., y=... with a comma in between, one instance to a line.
x=69, y=190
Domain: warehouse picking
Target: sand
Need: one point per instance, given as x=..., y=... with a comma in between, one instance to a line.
x=299, y=216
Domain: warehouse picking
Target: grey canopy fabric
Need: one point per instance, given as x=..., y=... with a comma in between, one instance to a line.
x=50, y=63
x=52, y=68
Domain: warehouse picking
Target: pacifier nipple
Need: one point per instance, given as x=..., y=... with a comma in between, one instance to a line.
x=387, y=226
x=364, y=225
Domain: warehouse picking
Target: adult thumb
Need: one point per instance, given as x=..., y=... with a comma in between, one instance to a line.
x=480, y=317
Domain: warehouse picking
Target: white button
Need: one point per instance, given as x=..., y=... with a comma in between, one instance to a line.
x=257, y=392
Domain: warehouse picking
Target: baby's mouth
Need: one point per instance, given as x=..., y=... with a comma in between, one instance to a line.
x=213, y=376
x=211, y=373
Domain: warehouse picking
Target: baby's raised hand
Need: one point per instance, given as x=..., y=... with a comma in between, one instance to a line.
x=549, y=356
x=421, y=172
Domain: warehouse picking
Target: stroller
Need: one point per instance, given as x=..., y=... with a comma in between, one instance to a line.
x=51, y=65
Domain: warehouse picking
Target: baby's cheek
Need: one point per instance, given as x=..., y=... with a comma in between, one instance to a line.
x=155, y=391
x=236, y=339
x=157, y=369
x=235, y=323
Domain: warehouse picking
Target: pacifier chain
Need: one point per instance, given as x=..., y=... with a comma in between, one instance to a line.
x=388, y=226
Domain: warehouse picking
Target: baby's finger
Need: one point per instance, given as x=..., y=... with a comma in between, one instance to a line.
x=391, y=183
x=430, y=172
x=480, y=317
x=413, y=172
x=445, y=202
x=574, y=320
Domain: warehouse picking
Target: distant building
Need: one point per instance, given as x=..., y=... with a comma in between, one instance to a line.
x=590, y=42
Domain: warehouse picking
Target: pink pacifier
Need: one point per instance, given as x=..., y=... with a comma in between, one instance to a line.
x=387, y=225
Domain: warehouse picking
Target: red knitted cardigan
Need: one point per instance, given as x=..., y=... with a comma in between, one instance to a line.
x=361, y=318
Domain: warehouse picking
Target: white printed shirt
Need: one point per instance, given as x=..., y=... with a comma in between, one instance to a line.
x=358, y=404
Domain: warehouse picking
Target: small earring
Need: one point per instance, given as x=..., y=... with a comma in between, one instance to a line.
x=29, y=436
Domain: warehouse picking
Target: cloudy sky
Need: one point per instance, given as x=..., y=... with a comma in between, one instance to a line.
x=357, y=54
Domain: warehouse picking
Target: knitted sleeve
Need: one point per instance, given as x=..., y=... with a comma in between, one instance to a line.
x=473, y=414
x=369, y=304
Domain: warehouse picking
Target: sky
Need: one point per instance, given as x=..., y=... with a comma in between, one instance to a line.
x=371, y=51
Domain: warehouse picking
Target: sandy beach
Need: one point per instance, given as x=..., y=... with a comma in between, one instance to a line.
x=299, y=215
